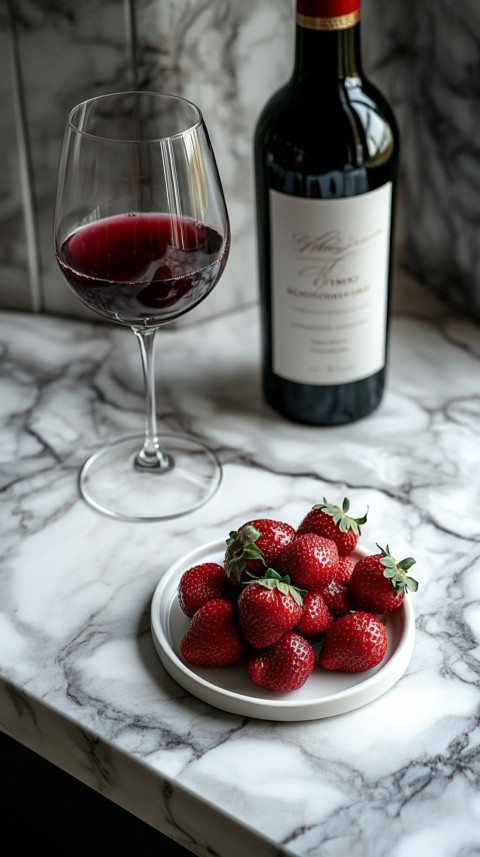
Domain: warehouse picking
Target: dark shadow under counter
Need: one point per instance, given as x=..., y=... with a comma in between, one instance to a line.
x=44, y=804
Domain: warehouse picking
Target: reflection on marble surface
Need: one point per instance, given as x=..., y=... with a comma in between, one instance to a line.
x=79, y=678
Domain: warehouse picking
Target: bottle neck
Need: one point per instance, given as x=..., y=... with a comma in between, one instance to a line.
x=327, y=50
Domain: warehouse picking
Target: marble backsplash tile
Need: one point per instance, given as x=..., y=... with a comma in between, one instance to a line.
x=15, y=286
x=67, y=51
x=229, y=56
x=443, y=175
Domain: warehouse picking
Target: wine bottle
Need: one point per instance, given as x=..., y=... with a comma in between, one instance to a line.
x=326, y=164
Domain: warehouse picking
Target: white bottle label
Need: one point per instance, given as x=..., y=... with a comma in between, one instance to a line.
x=330, y=271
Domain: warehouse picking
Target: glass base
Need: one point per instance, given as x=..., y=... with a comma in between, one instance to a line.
x=112, y=482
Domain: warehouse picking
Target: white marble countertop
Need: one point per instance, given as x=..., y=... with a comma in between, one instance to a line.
x=80, y=681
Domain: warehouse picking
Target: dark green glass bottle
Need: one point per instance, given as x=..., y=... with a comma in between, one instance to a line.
x=326, y=164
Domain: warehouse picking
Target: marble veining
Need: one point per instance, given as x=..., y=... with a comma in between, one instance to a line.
x=228, y=58
x=444, y=152
x=66, y=52
x=80, y=682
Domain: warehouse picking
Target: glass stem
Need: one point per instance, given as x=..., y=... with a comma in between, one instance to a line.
x=150, y=456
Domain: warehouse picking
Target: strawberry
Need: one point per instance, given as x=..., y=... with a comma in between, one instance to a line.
x=310, y=561
x=285, y=666
x=213, y=638
x=333, y=522
x=346, y=564
x=267, y=608
x=354, y=643
x=336, y=597
x=316, y=617
x=201, y=583
x=255, y=547
x=379, y=583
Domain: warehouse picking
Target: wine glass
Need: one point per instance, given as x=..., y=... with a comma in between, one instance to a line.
x=142, y=236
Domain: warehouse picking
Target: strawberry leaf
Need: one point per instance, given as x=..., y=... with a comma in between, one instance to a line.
x=407, y=563
x=273, y=580
x=283, y=587
x=240, y=548
x=268, y=584
x=340, y=516
x=297, y=595
x=395, y=571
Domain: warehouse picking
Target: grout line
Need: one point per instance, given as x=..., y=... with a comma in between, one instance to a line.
x=26, y=175
x=131, y=40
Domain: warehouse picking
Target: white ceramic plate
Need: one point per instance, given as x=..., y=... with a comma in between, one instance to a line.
x=230, y=688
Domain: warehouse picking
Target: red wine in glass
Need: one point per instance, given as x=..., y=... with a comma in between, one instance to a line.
x=142, y=269
x=142, y=236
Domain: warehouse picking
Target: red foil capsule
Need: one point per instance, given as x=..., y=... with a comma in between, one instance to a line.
x=328, y=14
x=327, y=8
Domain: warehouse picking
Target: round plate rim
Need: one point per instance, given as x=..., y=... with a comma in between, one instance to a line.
x=288, y=709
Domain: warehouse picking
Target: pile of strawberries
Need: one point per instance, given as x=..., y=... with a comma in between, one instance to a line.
x=286, y=599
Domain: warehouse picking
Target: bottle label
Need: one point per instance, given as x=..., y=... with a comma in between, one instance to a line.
x=330, y=260
x=328, y=14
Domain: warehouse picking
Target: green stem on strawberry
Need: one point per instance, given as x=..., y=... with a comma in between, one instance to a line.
x=273, y=580
x=240, y=548
x=341, y=517
x=396, y=572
